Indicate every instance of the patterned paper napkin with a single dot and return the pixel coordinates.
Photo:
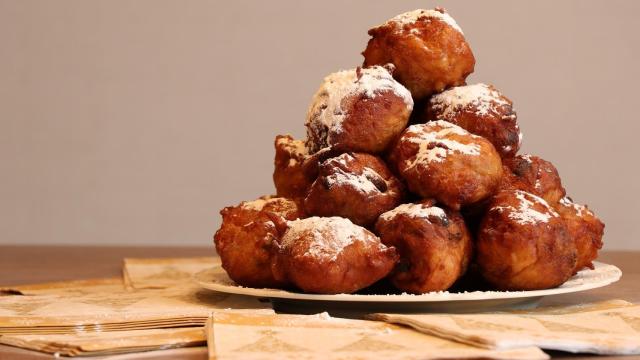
(274, 336)
(600, 328)
(155, 305)
(73, 287)
(153, 294)
(164, 272)
(108, 343)
(116, 310)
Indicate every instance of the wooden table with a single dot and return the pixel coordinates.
(33, 264)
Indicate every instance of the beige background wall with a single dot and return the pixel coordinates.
(133, 122)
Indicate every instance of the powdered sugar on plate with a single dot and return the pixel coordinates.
(482, 98)
(326, 237)
(603, 274)
(325, 114)
(411, 17)
(525, 213)
(436, 143)
(421, 211)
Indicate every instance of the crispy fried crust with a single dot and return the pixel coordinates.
(426, 158)
(294, 168)
(538, 175)
(356, 186)
(244, 240)
(523, 244)
(584, 228)
(331, 256)
(372, 125)
(482, 110)
(289, 176)
(473, 213)
(361, 110)
(429, 55)
(434, 245)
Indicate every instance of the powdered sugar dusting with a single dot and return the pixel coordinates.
(436, 143)
(580, 210)
(327, 236)
(358, 182)
(519, 138)
(526, 157)
(481, 97)
(525, 213)
(421, 211)
(412, 17)
(361, 182)
(325, 114)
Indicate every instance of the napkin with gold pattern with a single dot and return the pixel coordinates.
(161, 273)
(88, 311)
(72, 287)
(108, 343)
(233, 336)
(600, 328)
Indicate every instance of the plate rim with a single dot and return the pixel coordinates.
(431, 297)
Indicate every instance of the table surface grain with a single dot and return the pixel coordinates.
(35, 264)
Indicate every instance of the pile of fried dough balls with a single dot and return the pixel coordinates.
(409, 176)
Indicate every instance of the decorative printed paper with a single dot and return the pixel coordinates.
(164, 272)
(116, 310)
(601, 328)
(274, 336)
(108, 343)
(73, 287)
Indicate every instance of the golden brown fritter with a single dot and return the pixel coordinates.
(441, 160)
(473, 213)
(246, 236)
(331, 255)
(540, 176)
(294, 168)
(481, 110)
(356, 186)
(361, 110)
(434, 245)
(523, 244)
(584, 228)
(289, 176)
(428, 49)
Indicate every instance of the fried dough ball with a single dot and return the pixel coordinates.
(360, 110)
(331, 256)
(442, 160)
(294, 168)
(538, 175)
(356, 186)
(289, 176)
(473, 213)
(585, 228)
(428, 49)
(245, 238)
(523, 244)
(481, 110)
(434, 246)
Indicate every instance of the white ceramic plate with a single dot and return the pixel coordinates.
(602, 275)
